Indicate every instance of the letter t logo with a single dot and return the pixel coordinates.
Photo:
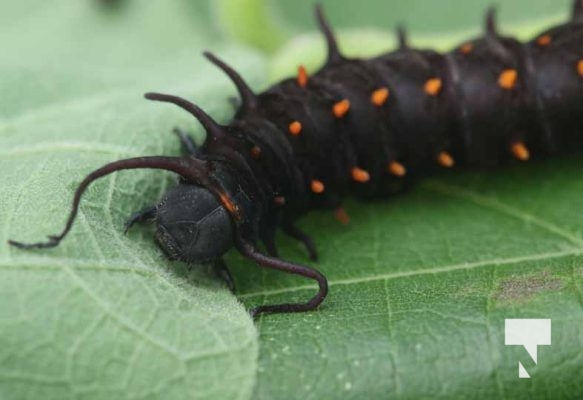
(529, 333)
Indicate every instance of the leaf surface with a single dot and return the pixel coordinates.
(420, 287)
(106, 315)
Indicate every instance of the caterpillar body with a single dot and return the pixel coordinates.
(357, 126)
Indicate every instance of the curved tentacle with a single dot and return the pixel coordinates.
(213, 129)
(248, 97)
(250, 251)
(189, 168)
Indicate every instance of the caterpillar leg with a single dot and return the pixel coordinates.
(188, 145)
(294, 232)
(250, 251)
(270, 246)
(222, 271)
(235, 103)
(268, 239)
(144, 215)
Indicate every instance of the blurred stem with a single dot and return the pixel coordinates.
(250, 22)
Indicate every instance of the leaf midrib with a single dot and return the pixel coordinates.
(489, 203)
(428, 271)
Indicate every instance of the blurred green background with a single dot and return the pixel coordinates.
(420, 284)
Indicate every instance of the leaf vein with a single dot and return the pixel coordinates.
(495, 205)
(118, 318)
(431, 271)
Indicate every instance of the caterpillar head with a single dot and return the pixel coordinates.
(192, 225)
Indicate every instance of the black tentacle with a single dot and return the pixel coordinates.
(577, 15)
(490, 26)
(248, 98)
(214, 131)
(189, 168)
(250, 251)
(402, 39)
(334, 54)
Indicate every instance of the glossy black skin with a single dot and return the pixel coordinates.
(228, 196)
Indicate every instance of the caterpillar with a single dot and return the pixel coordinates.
(363, 127)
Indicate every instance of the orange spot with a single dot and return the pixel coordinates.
(279, 200)
(520, 151)
(445, 159)
(507, 79)
(228, 204)
(580, 67)
(302, 76)
(433, 86)
(360, 175)
(467, 48)
(341, 215)
(379, 96)
(295, 128)
(317, 186)
(544, 40)
(255, 152)
(341, 108)
(396, 168)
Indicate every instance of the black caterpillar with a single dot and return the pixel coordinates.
(366, 127)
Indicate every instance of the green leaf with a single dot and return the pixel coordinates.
(420, 17)
(250, 21)
(420, 287)
(106, 315)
